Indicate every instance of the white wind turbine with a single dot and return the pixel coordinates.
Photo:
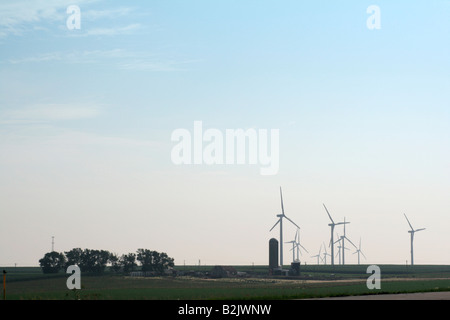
(318, 255)
(332, 225)
(340, 246)
(412, 231)
(358, 250)
(294, 244)
(343, 243)
(325, 254)
(280, 221)
(298, 245)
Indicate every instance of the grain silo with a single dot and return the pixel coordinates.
(273, 254)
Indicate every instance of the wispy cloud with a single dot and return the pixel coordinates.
(21, 16)
(43, 113)
(113, 31)
(86, 56)
(121, 59)
(155, 65)
(107, 13)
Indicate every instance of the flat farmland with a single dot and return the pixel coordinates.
(314, 282)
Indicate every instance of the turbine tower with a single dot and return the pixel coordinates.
(318, 255)
(280, 221)
(298, 245)
(358, 250)
(332, 225)
(294, 243)
(412, 231)
(340, 246)
(325, 254)
(343, 243)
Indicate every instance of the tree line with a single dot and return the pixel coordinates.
(96, 261)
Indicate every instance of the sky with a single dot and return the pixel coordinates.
(88, 112)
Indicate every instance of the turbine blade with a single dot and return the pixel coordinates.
(363, 255)
(328, 213)
(275, 224)
(351, 242)
(292, 222)
(419, 229)
(303, 249)
(409, 222)
(344, 226)
(282, 207)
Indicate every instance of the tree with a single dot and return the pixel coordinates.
(154, 261)
(115, 262)
(52, 262)
(88, 260)
(166, 262)
(128, 262)
(145, 258)
(94, 260)
(74, 257)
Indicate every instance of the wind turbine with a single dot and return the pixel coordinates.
(298, 245)
(343, 243)
(280, 221)
(325, 254)
(318, 255)
(412, 231)
(358, 250)
(332, 225)
(340, 246)
(294, 244)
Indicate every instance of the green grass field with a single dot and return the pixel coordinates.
(315, 281)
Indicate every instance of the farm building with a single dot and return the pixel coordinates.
(223, 271)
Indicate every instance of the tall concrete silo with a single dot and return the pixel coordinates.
(273, 254)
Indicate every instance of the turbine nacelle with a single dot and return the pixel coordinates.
(417, 230)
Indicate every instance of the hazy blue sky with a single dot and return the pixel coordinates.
(86, 117)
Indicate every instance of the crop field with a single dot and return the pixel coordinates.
(314, 281)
